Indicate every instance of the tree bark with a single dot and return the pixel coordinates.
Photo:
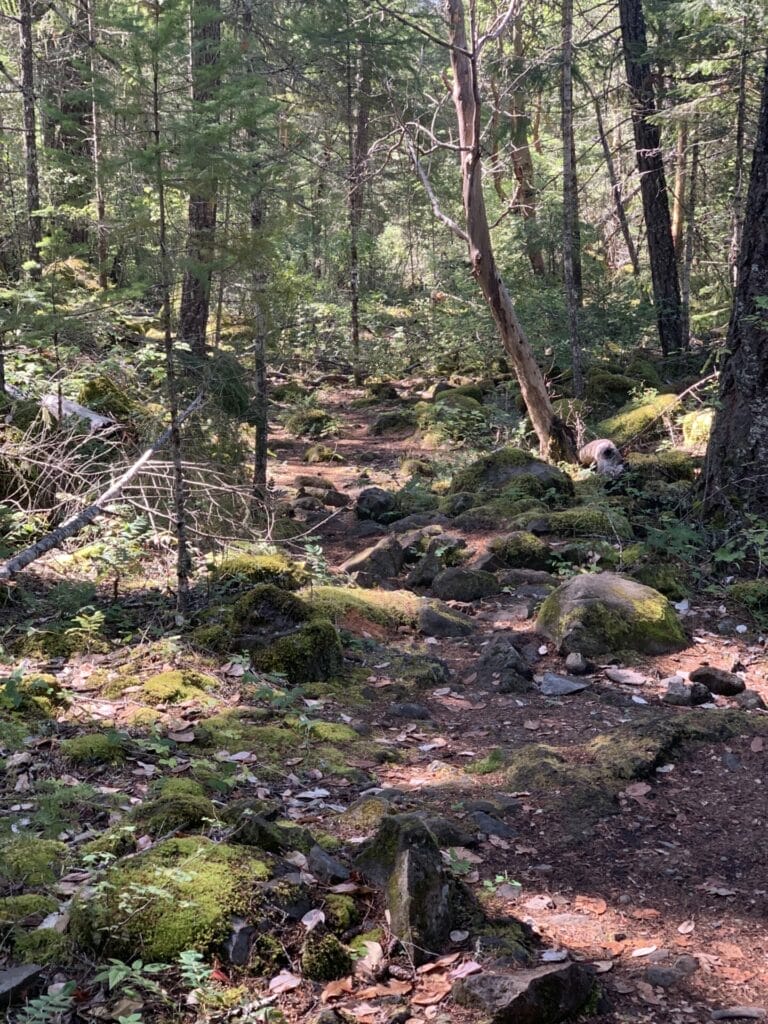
(571, 239)
(357, 87)
(522, 163)
(32, 179)
(653, 185)
(690, 232)
(205, 43)
(736, 468)
(737, 210)
(678, 199)
(616, 190)
(98, 181)
(555, 439)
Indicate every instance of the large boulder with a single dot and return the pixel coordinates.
(374, 503)
(511, 465)
(502, 665)
(460, 584)
(383, 561)
(438, 620)
(606, 613)
(542, 995)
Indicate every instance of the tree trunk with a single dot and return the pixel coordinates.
(737, 211)
(357, 140)
(616, 192)
(183, 559)
(34, 225)
(678, 199)
(98, 182)
(555, 439)
(205, 43)
(736, 468)
(571, 240)
(653, 185)
(690, 231)
(522, 163)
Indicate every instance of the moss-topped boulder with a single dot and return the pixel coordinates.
(177, 685)
(580, 521)
(460, 584)
(644, 416)
(345, 604)
(176, 809)
(606, 390)
(696, 427)
(310, 422)
(197, 887)
(29, 861)
(396, 422)
(325, 958)
(275, 568)
(95, 748)
(104, 395)
(507, 465)
(522, 550)
(670, 466)
(604, 613)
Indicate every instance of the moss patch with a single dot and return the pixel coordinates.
(175, 686)
(696, 427)
(750, 594)
(667, 465)
(15, 909)
(95, 748)
(383, 607)
(640, 416)
(522, 550)
(31, 861)
(494, 761)
(499, 469)
(324, 958)
(241, 567)
(42, 946)
(309, 423)
(583, 521)
(312, 652)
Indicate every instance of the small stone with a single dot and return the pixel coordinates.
(731, 762)
(415, 712)
(238, 945)
(544, 995)
(750, 700)
(491, 826)
(678, 693)
(374, 502)
(554, 685)
(437, 620)
(577, 663)
(726, 684)
(460, 584)
(700, 694)
(15, 981)
(626, 676)
(325, 867)
(502, 665)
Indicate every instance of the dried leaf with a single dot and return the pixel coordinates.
(686, 927)
(637, 790)
(591, 905)
(532, 724)
(284, 982)
(392, 988)
(644, 951)
(371, 960)
(647, 994)
(335, 989)
(465, 969)
(437, 965)
(757, 745)
(602, 966)
(645, 914)
(435, 988)
(313, 918)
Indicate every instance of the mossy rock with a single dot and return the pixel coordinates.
(670, 466)
(383, 391)
(242, 567)
(177, 685)
(32, 907)
(607, 390)
(474, 391)
(60, 643)
(522, 550)
(324, 958)
(313, 652)
(319, 453)
(666, 577)
(458, 418)
(751, 595)
(494, 761)
(415, 498)
(175, 812)
(366, 813)
(30, 861)
(341, 912)
(104, 395)
(498, 470)
(419, 468)
(309, 423)
(198, 886)
(580, 521)
(642, 370)
(382, 607)
(289, 391)
(604, 613)
(253, 825)
(696, 427)
(95, 748)
(42, 946)
(396, 422)
(641, 416)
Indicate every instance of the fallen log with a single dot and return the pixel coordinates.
(76, 522)
(64, 407)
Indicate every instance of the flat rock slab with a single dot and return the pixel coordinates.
(544, 995)
(16, 980)
(554, 685)
(717, 680)
(626, 676)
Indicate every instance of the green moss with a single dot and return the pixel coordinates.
(290, 391)
(494, 761)
(386, 608)
(394, 422)
(324, 958)
(414, 498)
(697, 426)
(642, 370)
(585, 521)
(196, 886)
(607, 390)
(175, 686)
(266, 603)
(341, 912)
(267, 955)
(333, 732)
(665, 465)
(309, 423)
(60, 643)
(358, 944)
(95, 748)
(42, 946)
(42, 684)
(418, 468)
(106, 396)
(172, 812)
(667, 578)
(216, 638)
(505, 467)
(312, 652)
(640, 416)
(522, 550)
(366, 813)
(142, 718)
(456, 418)
(318, 453)
(14, 909)
(473, 391)
(31, 861)
(242, 567)
(116, 842)
(750, 594)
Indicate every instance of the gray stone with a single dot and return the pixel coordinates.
(750, 700)
(383, 561)
(600, 613)
(491, 825)
(700, 694)
(437, 620)
(459, 584)
(374, 502)
(577, 664)
(238, 945)
(433, 562)
(367, 528)
(543, 995)
(726, 684)
(415, 712)
(678, 694)
(16, 981)
(325, 867)
(668, 977)
(554, 685)
(419, 520)
(626, 676)
(521, 577)
(502, 665)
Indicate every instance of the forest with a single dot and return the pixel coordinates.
(383, 511)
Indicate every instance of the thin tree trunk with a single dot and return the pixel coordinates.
(555, 440)
(357, 86)
(653, 185)
(98, 183)
(737, 203)
(616, 191)
(690, 230)
(183, 559)
(571, 253)
(34, 225)
(522, 164)
(678, 199)
(205, 43)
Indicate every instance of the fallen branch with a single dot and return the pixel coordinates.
(64, 407)
(76, 522)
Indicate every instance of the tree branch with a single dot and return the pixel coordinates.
(442, 217)
(417, 28)
(499, 26)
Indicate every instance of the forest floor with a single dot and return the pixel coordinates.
(673, 862)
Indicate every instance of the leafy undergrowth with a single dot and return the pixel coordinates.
(170, 794)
